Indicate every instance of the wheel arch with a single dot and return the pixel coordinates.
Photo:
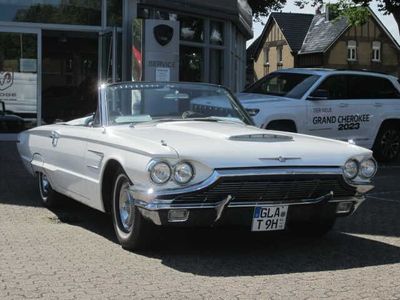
(289, 123)
(380, 153)
(107, 181)
(387, 122)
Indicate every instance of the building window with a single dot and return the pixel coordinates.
(279, 57)
(203, 45)
(352, 51)
(202, 50)
(266, 56)
(216, 33)
(376, 51)
(192, 29)
(266, 60)
(191, 64)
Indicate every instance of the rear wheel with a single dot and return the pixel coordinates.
(50, 198)
(387, 144)
(132, 230)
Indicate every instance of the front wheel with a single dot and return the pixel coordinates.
(132, 230)
(387, 144)
(50, 198)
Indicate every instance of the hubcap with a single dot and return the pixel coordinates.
(126, 208)
(45, 185)
(391, 143)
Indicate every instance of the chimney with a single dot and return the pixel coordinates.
(327, 13)
(318, 10)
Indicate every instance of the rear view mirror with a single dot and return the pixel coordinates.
(319, 94)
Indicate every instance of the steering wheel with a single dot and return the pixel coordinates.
(191, 114)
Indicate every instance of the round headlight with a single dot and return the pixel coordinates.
(160, 173)
(183, 173)
(368, 168)
(350, 169)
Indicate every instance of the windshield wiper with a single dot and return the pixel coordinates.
(156, 121)
(216, 119)
(205, 119)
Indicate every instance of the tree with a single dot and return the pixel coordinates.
(262, 8)
(355, 10)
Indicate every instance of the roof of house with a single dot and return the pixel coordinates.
(307, 33)
(322, 34)
(293, 26)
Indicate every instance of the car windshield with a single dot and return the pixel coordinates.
(131, 103)
(291, 85)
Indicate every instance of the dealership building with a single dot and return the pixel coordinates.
(53, 53)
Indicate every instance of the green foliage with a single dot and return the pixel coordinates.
(73, 13)
(262, 8)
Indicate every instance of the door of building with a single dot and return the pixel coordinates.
(20, 80)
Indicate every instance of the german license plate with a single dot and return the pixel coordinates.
(269, 218)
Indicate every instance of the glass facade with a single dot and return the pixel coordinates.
(191, 64)
(76, 12)
(18, 80)
(53, 57)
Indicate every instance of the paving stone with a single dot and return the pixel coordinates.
(72, 253)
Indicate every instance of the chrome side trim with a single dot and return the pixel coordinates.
(167, 204)
(150, 195)
(100, 156)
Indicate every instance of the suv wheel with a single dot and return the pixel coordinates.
(387, 144)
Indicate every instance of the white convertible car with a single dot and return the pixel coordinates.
(162, 154)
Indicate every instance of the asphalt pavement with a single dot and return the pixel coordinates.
(72, 253)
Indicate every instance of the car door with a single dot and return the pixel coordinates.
(66, 157)
(326, 103)
(338, 109)
(359, 121)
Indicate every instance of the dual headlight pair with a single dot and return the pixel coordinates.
(365, 169)
(161, 172)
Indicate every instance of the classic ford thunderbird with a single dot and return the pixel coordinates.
(162, 154)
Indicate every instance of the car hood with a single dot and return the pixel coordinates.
(230, 145)
(249, 98)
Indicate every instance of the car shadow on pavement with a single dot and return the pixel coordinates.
(233, 251)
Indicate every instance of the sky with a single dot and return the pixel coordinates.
(388, 21)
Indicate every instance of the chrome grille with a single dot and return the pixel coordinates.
(271, 188)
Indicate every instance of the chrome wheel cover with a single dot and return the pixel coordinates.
(390, 143)
(44, 186)
(126, 207)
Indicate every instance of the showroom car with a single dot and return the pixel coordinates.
(167, 154)
(10, 123)
(357, 106)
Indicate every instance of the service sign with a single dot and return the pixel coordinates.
(161, 59)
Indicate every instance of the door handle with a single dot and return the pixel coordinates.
(377, 104)
(54, 136)
(343, 105)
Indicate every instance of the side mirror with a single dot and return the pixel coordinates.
(319, 94)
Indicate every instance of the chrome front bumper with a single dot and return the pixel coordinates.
(152, 204)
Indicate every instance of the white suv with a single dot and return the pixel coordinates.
(362, 107)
